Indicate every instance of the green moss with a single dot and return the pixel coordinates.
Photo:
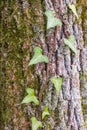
(85, 98)
(85, 107)
(6, 115)
(83, 77)
(18, 25)
(5, 111)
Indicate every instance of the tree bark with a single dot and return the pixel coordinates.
(23, 26)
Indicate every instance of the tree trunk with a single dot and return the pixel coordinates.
(23, 26)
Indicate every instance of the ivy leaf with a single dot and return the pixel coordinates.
(30, 91)
(35, 123)
(57, 83)
(51, 20)
(37, 50)
(45, 112)
(38, 57)
(70, 42)
(30, 97)
(73, 8)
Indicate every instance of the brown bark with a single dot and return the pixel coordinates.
(23, 26)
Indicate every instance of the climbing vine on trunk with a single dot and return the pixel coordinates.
(43, 52)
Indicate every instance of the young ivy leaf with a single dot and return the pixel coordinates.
(35, 123)
(57, 83)
(73, 8)
(70, 42)
(30, 97)
(30, 91)
(38, 57)
(45, 112)
(51, 20)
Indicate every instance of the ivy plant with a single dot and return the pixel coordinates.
(70, 43)
(30, 97)
(38, 56)
(45, 112)
(51, 20)
(35, 123)
(73, 8)
(57, 83)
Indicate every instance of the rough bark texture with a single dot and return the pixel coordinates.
(23, 26)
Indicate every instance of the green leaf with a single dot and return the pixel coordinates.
(27, 99)
(35, 100)
(45, 112)
(35, 123)
(73, 8)
(37, 50)
(38, 57)
(51, 20)
(30, 91)
(30, 97)
(70, 42)
(57, 83)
